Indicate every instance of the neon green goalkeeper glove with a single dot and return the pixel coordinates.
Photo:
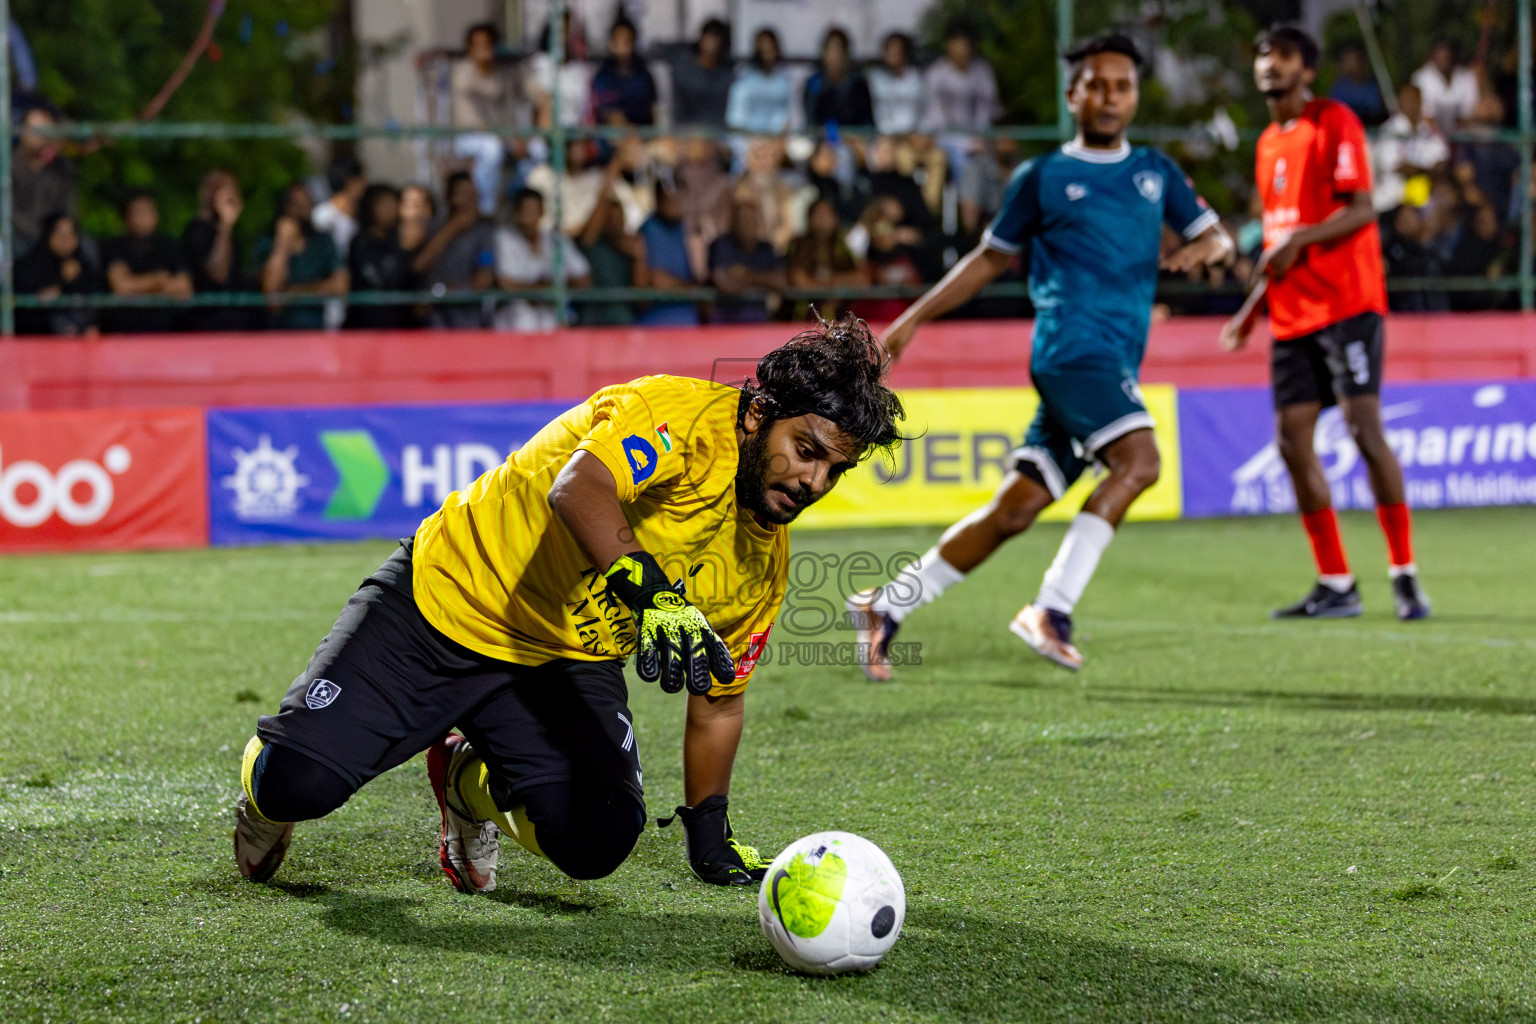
(676, 646)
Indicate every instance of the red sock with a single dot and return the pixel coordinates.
(1327, 547)
(1397, 524)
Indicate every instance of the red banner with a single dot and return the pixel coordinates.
(103, 479)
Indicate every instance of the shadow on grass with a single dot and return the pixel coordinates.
(1314, 700)
(949, 965)
(958, 966)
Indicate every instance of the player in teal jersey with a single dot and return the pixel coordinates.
(1092, 213)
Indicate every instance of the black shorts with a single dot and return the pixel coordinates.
(1341, 360)
(385, 684)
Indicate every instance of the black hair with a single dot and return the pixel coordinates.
(777, 46)
(961, 28)
(1288, 39)
(371, 195)
(836, 370)
(342, 170)
(622, 21)
(482, 26)
(908, 47)
(453, 180)
(716, 27)
(839, 33)
(524, 194)
(1109, 42)
(132, 196)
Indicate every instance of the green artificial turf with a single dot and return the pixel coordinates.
(1220, 819)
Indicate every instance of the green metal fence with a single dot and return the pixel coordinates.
(1523, 282)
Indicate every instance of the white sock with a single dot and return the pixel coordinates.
(916, 585)
(1394, 571)
(1339, 583)
(1079, 554)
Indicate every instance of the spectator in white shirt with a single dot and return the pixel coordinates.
(573, 81)
(485, 98)
(337, 216)
(1408, 145)
(1450, 91)
(525, 258)
(962, 97)
(897, 88)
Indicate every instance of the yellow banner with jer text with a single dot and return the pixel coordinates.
(962, 454)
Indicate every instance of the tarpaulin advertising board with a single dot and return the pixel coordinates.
(352, 472)
(103, 479)
(1459, 445)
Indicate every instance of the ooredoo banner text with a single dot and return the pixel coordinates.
(102, 479)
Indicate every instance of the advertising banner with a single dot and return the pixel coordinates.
(1459, 444)
(955, 464)
(352, 472)
(102, 479)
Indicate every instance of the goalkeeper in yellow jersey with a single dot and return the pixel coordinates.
(650, 519)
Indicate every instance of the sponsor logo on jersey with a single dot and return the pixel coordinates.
(80, 492)
(641, 456)
(1347, 166)
(666, 437)
(1076, 191)
(322, 693)
(756, 644)
(1150, 185)
(1279, 174)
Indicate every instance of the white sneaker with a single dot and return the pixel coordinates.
(260, 845)
(1049, 634)
(873, 632)
(470, 848)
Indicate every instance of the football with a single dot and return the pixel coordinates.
(832, 903)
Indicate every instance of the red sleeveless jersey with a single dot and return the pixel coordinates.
(1307, 169)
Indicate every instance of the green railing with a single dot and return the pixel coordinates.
(560, 295)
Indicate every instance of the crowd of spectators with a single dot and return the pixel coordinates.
(854, 177)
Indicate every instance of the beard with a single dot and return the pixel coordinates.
(752, 488)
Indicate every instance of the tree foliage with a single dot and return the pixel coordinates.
(104, 60)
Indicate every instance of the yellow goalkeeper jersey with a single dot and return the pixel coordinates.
(496, 571)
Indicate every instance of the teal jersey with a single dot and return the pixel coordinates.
(1094, 222)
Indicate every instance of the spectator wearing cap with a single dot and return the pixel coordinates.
(42, 180)
(761, 101)
(144, 262)
(526, 259)
(666, 266)
(744, 260)
(211, 246)
(297, 260)
(1356, 88)
(837, 93)
(1449, 88)
(488, 99)
(962, 97)
(459, 255)
(896, 88)
(701, 83)
(57, 268)
(623, 91)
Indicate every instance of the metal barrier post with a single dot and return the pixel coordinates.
(1064, 30)
(8, 255)
(1527, 283)
(557, 10)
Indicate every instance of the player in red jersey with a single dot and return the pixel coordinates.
(1327, 294)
